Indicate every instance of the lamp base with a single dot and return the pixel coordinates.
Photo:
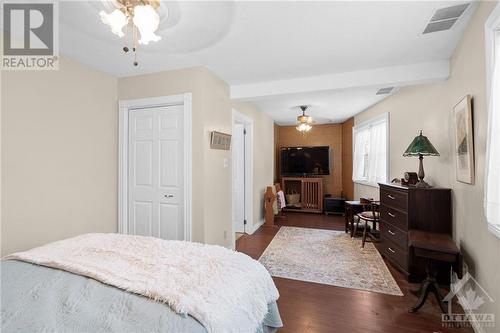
(422, 184)
(421, 174)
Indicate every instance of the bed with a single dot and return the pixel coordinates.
(72, 286)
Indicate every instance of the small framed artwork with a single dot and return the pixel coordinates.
(464, 140)
(220, 141)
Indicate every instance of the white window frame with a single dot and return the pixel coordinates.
(491, 28)
(362, 126)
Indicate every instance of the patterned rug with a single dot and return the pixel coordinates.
(328, 257)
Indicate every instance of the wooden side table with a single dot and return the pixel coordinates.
(351, 209)
(435, 247)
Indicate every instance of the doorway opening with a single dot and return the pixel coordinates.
(242, 175)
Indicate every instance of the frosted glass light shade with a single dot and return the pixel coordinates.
(116, 20)
(146, 19)
(304, 127)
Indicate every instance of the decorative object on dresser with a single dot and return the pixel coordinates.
(403, 208)
(421, 146)
(434, 248)
(464, 140)
(410, 178)
(310, 191)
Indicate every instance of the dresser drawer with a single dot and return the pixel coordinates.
(393, 198)
(395, 235)
(394, 217)
(394, 253)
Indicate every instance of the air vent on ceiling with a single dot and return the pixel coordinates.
(445, 18)
(384, 91)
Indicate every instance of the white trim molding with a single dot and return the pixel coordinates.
(248, 124)
(492, 40)
(253, 228)
(492, 24)
(125, 106)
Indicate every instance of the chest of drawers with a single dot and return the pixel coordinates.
(403, 208)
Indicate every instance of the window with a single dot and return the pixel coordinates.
(492, 172)
(370, 156)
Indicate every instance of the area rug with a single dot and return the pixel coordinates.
(328, 257)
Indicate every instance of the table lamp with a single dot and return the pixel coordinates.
(421, 146)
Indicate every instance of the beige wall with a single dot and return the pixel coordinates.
(263, 156)
(59, 151)
(212, 110)
(429, 107)
(320, 135)
(59, 155)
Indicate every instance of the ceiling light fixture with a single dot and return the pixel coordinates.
(304, 121)
(142, 17)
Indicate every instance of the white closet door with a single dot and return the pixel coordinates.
(156, 172)
(238, 146)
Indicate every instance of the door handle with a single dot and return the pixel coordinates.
(391, 232)
(391, 250)
(391, 214)
(391, 197)
(168, 195)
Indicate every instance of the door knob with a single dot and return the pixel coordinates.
(168, 195)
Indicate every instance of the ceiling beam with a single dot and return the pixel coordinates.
(395, 76)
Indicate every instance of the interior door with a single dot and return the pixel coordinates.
(156, 172)
(238, 153)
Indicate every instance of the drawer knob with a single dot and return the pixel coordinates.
(169, 196)
(391, 197)
(391, 232)
(391, 250)
(391, 214)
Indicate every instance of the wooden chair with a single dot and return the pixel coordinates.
(370, 215)
(271, 208)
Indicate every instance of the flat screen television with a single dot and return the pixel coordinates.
(305, 161)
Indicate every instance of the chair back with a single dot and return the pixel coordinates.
(373, 206)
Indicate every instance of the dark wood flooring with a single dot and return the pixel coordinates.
(313, 308)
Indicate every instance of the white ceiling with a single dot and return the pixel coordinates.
(249, 43)
(328, 106)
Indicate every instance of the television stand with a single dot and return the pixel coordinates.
(310, 190)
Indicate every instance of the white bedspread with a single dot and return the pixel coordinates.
(226, 291)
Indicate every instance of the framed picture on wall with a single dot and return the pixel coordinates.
(464, 140)
(220, 140)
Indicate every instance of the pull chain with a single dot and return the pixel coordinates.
(135, 46)
(125, 48)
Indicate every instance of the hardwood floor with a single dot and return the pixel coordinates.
(313, 308)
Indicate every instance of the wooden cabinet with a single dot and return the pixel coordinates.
(310, 190)
(403, 208)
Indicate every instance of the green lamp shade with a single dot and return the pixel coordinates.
(421, 146)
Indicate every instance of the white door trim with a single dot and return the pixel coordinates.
(248, 125)
(125, 106)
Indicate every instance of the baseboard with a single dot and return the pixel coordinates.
(253, 228)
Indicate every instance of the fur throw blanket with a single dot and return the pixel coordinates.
(226, 291)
